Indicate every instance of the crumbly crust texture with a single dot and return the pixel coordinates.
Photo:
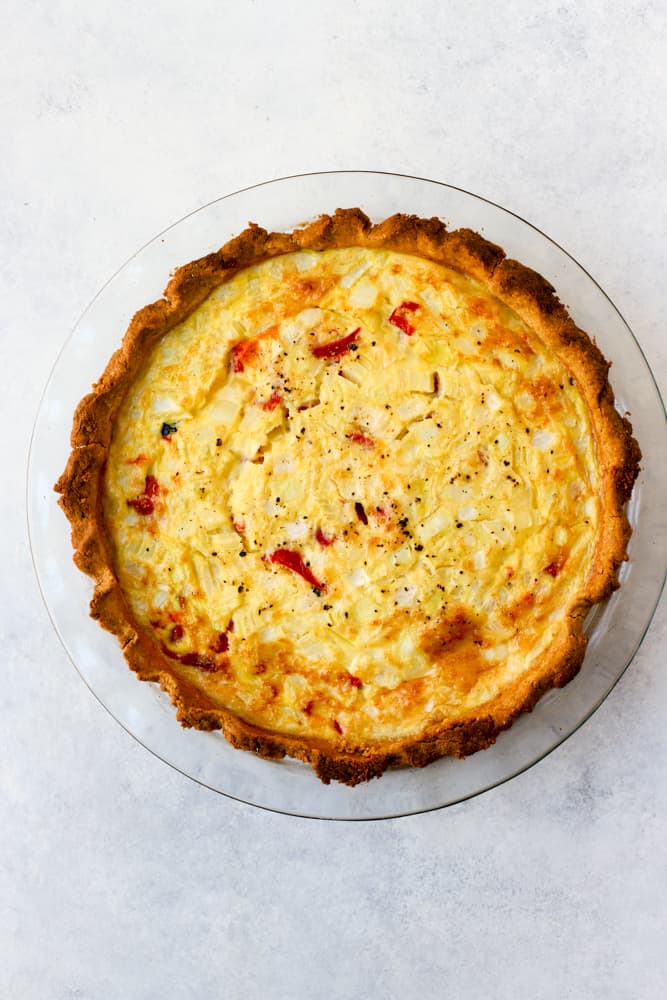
(533, 299)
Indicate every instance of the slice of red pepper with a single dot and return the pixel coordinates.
(399, 319)
(364, 439)
(194, 660)
(144, 504)
(244, 352)
(220, 644)
(238, 350)
(335, 348)
(272, 401)
(152, 487)
(324, 539)
(200, 661)
(554, 568)
(294, 561)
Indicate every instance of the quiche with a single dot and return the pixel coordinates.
(348, 493)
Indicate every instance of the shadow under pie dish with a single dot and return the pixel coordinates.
(348, 493)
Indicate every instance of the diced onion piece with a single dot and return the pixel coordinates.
(358, 577)
(543, 439)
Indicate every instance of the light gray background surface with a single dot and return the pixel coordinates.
(120, 879)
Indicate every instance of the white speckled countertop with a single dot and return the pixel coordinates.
(122, 879)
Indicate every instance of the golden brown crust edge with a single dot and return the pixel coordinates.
(529, 295)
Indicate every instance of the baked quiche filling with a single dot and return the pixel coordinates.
(351, 496)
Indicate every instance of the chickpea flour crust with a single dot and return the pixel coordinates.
(348, 493)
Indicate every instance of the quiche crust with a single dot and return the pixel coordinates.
(524, 291)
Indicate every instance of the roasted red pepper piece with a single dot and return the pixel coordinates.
(144, 504)
(360, 512)
(294, 561)
(220, 644)
(324, 539)
(364, 439)
(194, 660)
(554, 568)
(335, 348)
(152, 487)
(199, 660)
(272, 401)
(244, 352)
(239, 353)
(399, 318)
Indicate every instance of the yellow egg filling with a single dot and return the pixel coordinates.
(352, 493)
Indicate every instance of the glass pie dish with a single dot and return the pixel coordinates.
(615, 628)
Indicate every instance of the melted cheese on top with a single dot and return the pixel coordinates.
(352, 495)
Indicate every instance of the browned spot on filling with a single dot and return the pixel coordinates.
(448, 630)
(453, 642)
(308, 289)
(546, 396)
(401, 700)
(477, 309)
(542, 388)
(519, 609)
(499, 338)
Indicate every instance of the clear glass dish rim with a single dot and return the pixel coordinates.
(271, 809)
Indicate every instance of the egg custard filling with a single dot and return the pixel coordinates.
(351, 502)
